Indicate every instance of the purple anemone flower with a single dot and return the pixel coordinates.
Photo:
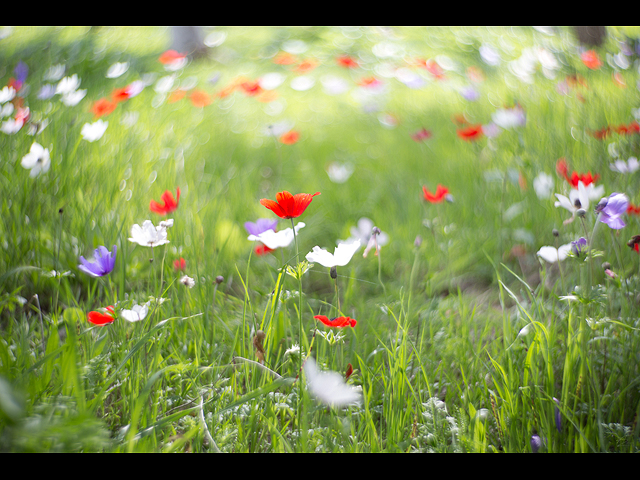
(578, 245)
(105, 260)
(260, 226)
(610, 210)
(21, 71)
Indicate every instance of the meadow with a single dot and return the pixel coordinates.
(319, 239)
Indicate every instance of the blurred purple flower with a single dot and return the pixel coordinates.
(21, 71)
(610, 210)
(261, 226)
(536, 443)
(47, 91)
(470, 93)
(558, 417)
(577, 246)
(105, 260)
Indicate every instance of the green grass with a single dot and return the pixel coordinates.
(439, 351)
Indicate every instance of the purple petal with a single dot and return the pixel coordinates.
(261, 226)
(89, 268)
(617, 204)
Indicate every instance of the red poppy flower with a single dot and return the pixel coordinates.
(170, 56)
(346, 61)
(180, 264)
(290, 138)
(169, 203)
(470, 133)
(602, 133)
(439, 196)
(369, 82)
(339, 322)
(434, 69)
(104, 317)
(591, 59)
(287, 205)
(103, 107)
(586, 178)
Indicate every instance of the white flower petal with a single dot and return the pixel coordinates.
(329, 387)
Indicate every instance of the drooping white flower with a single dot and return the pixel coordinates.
(329, 387)
(94, 131)
(342, 254)
(37, 160)
(149, 235)
(136, 313)
(553, 254)
(273, 239)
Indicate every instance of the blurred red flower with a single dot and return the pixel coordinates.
(251, 88)
(199, 98)
(262, 249)
(339, 322)
(421, 135)
(102, 107)
(287, 205)
(470, 133)
(434, 69)
(633, 209)
(169, 203)
(176, 95)
(591, 59)
(439, 196)
(104, 317)
(284, 58)
(120, 94)
(170, 56)
(586, 178)
(180, 264)
(290, 137)
(305, 66)
(346, 61)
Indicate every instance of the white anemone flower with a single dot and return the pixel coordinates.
(553, 254)
(37, 160)
(273, 239)
(342, 254)
(137, 312)
(149, 235)
(578, 198)
(94, 131)
(73, 98)
(629, 166)
(339, 172)
(329, 387)
(117, 69)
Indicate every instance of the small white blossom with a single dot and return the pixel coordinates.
(342, 254)
(188, 281)
(37, 160)
(149, 235)
(94, 131)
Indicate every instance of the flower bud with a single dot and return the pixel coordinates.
(418, 241)
(334, 272)
(555, 232)
(219, 279)
(606, 266)
(581, 212)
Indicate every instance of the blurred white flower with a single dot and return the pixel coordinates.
(37, 160)
(629, 166)
(342, 254)
(329, 387)
(11, 126)
(489, 55)
(363, 233)
(136, 313)
(54, 73)
(302, 83)
(334, 85)
(7, 94)
(94, 131)
(510, 117)
(164, 84)
(71, 99)
(578, 198)
(280, 239)
(339, 172)
(149, 235)
(543, 185)
(188, 281)
(271, 81)
(117, 69)
(68, 85)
